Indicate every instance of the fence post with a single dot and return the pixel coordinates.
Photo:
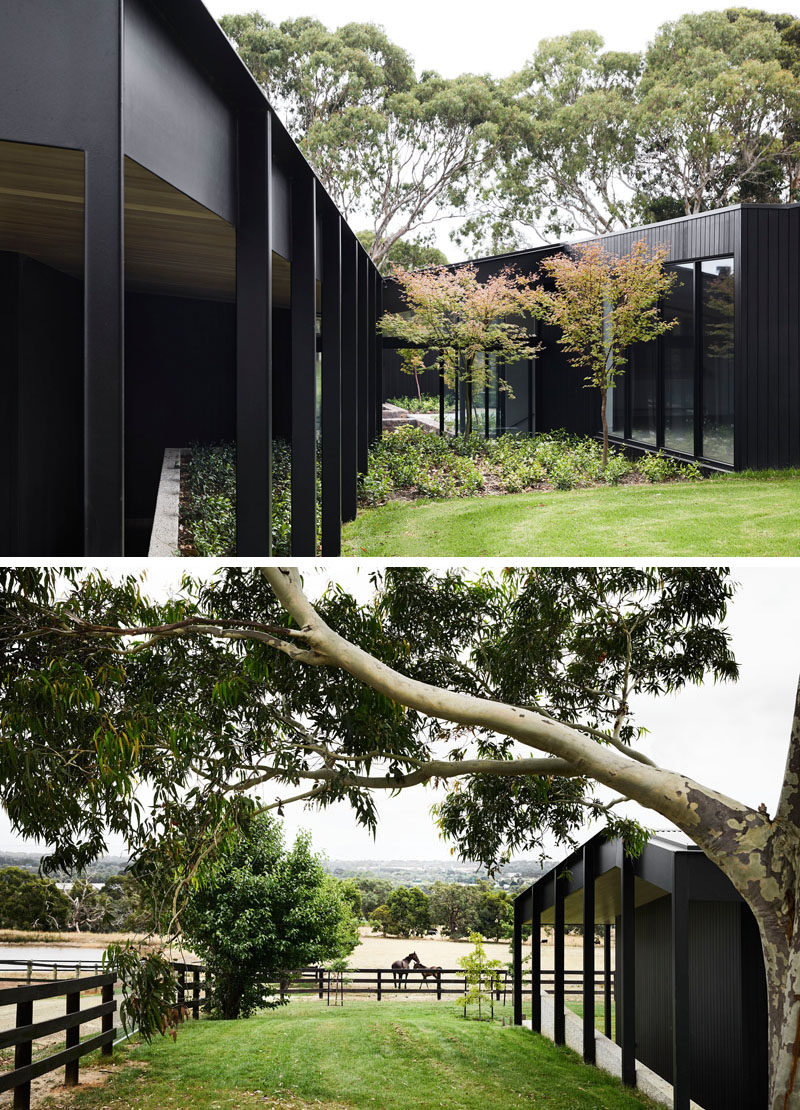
(108, 1019)
(439, 987)
(22, 1056)
(182, 985)
(73, 1038)
(196, 993)
(379, 984)
(30, 971)
(55, 971)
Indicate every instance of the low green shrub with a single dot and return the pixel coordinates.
(425, 403)
(413, 462)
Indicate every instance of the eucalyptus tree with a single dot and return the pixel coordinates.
(391, 147)
(518, 689)
(569, 140)
(717, 110)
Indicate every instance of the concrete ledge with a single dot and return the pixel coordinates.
(607, 1053)
(394, 417)
(164, 536)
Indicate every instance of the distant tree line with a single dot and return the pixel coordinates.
(30, 901)
(580, 140)
(457, 909)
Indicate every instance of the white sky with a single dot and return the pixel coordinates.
(732, 737)
(497, 38)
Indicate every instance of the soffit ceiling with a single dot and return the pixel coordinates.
(172, 244)
(607, 899)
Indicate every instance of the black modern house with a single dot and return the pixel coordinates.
(689, 988)
(170, 270)
(722, 387)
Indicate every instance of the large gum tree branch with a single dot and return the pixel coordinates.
(699, 810)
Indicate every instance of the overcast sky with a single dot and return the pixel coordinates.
(732, 737)
(494, 38)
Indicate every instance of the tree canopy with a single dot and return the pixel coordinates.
(518, 685)
(396, 148)
(260, 912)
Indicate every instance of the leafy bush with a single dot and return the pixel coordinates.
(419, 464)
(210, 512)
(424, 404)
(661, 468)
(149, 990)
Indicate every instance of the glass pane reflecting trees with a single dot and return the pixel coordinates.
(679, 363)
(717, 358)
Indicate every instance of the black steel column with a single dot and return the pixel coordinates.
(104, 325)
(378, 358)
(536, 959)
(372, 347)
(588, 952)
(607, 1024)
(681, 1014)
(304, 360)
(558, 958)
(441, 404)
(350, 325)
(363, 363)
(254, 336)
(626, 1004)
(517, 960)
(332, 383)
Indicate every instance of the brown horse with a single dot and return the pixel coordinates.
(400, 969)
(434, 973)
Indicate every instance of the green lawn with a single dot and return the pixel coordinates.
(388, 1055)
(723, 516)
(599, 1015)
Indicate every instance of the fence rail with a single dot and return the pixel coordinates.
(382, 981)
(190, 994)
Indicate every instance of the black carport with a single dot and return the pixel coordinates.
(689, 981)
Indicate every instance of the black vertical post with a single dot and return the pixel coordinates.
(107, 1021)
(73, 1038)
(378, 357)
(182, 985)
(486, 412)
(254, 336)
(536, 959)
(349, 409)
(588, 951)
(457, 391)
(331, 383)
(697, 306)
(607, 980)
(439, 987)
(558, 958)
(22, 1056)
(681, 1015)
(196, 993)
(304, 363)
(104, 326)
(363, 363)
(371, 349)
(380, 984)
(321, 982)
(626, 1013)
(441, 404)
(517, 960)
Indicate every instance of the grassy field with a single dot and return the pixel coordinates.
(363, 1055)
(724, 516)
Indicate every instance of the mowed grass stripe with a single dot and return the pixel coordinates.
(397, 1056)
(721, 517)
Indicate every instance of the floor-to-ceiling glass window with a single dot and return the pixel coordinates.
(716, 360)
(678, 347)
(615, 406)
(643, 385)
(518, 398)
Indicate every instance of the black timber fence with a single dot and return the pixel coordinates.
(382, 982)
(25, 1031)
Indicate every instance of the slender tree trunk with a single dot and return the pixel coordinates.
(468, 410)
(416, 383)
(604, 420)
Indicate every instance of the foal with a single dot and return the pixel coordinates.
(428, 973)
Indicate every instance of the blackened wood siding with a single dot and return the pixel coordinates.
(654, 986)
(768, 344)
